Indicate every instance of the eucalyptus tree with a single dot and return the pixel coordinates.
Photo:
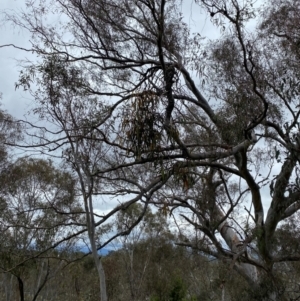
(38, 208)
(140, 246)
(193, 126)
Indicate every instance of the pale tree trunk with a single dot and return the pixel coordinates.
(8, 286)
(92, 238)
(44, 273)
(101, 273)
(87, 186)
(222, 292)
(248, 271)
(238, 246)
(100, 269)
(40, 275)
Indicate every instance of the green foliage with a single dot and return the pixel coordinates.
(38, 204)
(178, 291)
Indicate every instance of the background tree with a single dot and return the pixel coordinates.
(38, 207)
(139, 246)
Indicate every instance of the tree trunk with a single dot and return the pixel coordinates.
(97, 260)
(101, 274)
(223, 292)
(8, 286)
(21, 288)
(40, 283)
(86, 182)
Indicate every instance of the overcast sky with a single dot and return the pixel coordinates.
(18, 102)
(14, 101)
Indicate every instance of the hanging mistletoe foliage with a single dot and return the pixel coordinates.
(141, 127)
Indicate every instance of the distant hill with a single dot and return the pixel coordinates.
(102, 252)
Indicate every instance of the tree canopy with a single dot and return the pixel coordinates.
(145, 110)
